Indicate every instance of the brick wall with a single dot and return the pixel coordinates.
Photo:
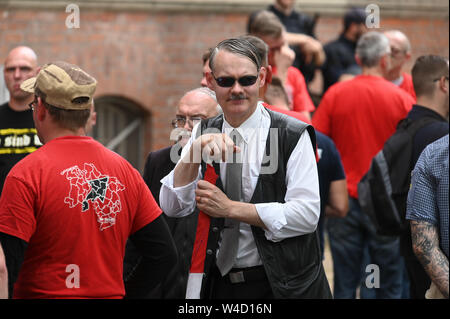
(152, 57)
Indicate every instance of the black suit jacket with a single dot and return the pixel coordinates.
(157, 166)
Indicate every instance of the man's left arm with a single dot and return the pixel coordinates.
(14, 252)
(298, 215)
(212, 201)
(425, 241)
(423, 213)
(3, 276)
(311, 48)
(300, 212)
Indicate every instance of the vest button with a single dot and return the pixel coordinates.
(209, 251)
(215, 229)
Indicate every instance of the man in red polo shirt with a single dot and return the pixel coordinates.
(360, 115)
(400, 55)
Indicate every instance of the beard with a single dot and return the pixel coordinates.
(183, 137)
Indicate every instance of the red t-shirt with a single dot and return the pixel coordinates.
(297, 90)
(407, 85)
(75, 202)
(294, 114)
(360, 115)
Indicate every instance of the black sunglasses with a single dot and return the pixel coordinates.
(228, 81)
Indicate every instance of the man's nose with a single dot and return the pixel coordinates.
(187, 125)
(17, 73)
(236, 88)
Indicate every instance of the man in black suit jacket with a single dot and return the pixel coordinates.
(194, 106)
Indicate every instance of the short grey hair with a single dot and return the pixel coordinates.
(371, 47)
(239, 46)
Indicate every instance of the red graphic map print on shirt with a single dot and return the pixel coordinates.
(90, 187)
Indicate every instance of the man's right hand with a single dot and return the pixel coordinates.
(208, 147)
(214, 147)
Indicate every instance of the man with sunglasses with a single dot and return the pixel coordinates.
(17, 132)
(260, 193)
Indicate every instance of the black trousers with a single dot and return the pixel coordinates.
(257, 287)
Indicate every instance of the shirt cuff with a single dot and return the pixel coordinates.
(272, 215)
(177, 201)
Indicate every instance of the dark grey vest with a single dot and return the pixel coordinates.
(293, 265)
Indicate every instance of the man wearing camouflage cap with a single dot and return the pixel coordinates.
(72, 204)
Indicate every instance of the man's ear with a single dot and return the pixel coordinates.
(210, 80)
(443, 84)
(262, 76)
(269, 74)
(385, 62)
(408, 56)
(41, 110)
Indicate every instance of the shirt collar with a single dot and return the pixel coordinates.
(249, 127)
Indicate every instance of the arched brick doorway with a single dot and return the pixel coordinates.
(120, 127)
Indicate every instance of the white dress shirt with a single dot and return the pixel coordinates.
(299, 214)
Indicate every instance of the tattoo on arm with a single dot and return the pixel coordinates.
(425, 241)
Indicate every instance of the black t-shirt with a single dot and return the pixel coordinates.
(429, 133)
(297, 22)
(18, 138)
(340, 60)
(424, 136)
(330, 167)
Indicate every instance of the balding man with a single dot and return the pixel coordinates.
(18, 136)
(195, 105)
(400, 55)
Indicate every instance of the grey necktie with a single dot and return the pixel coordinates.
(233, 188)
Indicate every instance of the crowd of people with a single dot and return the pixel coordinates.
(239, 205)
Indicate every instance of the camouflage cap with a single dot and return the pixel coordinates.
(63, 84)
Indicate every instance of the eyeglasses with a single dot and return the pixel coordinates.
(180, 121)
(395, 52)
(228, 81)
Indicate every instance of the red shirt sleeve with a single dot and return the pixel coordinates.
(147, 208)
(17, 209)
(301, 99)
(322, 116)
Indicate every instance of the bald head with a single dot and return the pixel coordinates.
(399, 39)
(20, 64)
(200, 102)
(400, 53)
(22, 52)
(195, 105)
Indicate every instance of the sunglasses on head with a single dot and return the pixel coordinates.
(228, 81)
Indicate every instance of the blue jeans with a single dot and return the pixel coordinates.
(348, 238)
